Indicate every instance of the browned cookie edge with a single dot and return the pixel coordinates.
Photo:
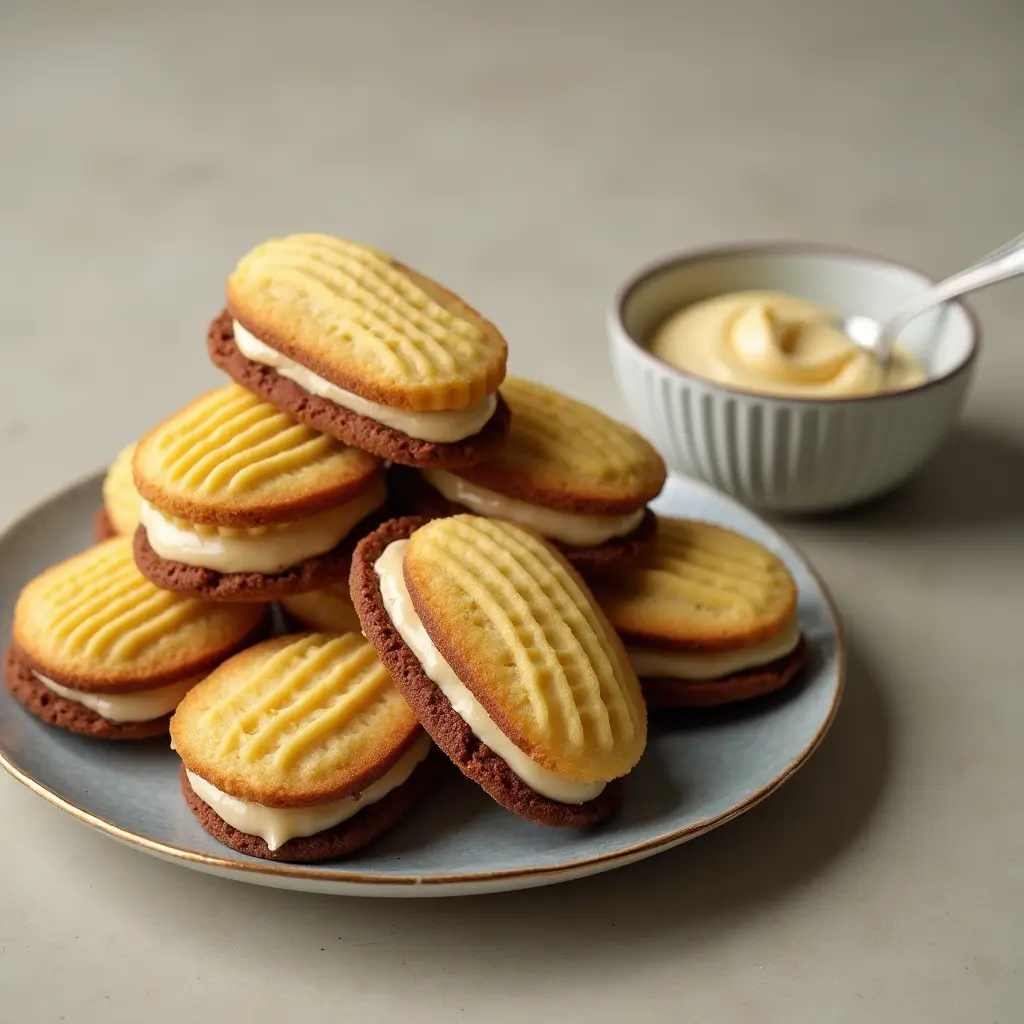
(416, 496)
(474, 758)
(339, 841)
(675, 694)
(350, 427)
(66, 714)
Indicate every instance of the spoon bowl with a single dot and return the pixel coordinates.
(864, 332)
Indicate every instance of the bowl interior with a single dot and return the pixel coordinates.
(846, 283)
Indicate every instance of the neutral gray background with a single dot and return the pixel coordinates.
(530, 154)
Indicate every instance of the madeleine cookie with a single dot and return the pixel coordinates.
(360, 347)
(98, 650)
(498, 647)
(709, 617)
(121, 502)
(242, 503)
(578, 478)
(300, 748)
(327, 611)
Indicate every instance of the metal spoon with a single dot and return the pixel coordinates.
(998, 265)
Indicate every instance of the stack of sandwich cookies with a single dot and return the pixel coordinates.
(574, 475)
(241, 502)
(708, 618)
(360, 347)
(119, 516)
(497, 645)
(98, 650)
(300, 749)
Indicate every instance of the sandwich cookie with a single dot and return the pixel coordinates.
(326, 611)
(242, 503)
(497, 645)
(300, 749)
(358, 346)
(567, 471)
(119, 516)
(98, 650)
(708, 618)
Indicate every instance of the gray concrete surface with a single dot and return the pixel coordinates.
(530, 154)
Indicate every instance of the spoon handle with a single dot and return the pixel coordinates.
(998, 265)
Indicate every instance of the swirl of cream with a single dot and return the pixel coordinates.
(776, 344)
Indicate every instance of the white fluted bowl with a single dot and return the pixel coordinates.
(790, 454)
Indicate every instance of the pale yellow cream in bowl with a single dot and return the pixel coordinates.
(773, 343)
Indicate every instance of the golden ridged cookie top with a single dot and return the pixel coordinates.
(702, 588)
(329, 610)
(365, 322)
(565, 454)
(230, 459)
(96, 623)
(295, 721)
(521, 631)
(120, 498)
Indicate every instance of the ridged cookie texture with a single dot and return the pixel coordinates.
(120, 498)
(329, 610)
(229, 459)
(95, 623)
(295, 721)
(358, 318)
(523, 634)
(567, 455)
(702, 588)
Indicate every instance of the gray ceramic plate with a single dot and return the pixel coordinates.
(699, 771)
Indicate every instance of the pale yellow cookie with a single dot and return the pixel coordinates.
(329, 610)
(96, 623)
(363, 321)
(230, 459)
(295, 721)
(702, 588)
(120, 498)
(567, 455)
(522, 632)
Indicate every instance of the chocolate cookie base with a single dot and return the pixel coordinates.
(474, 758)
(417, 497)
(339, 841)
(67, 714)
(103, 527)
(676, 694)
(312, 574)
(352, 428)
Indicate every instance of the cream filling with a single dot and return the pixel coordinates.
(270, 550)
(276, 825)
(583, 531)
(654, 664)
(776, 344)
(399, 607)
(443, 427)
(140, 706)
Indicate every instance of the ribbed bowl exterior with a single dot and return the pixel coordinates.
(787, 456)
